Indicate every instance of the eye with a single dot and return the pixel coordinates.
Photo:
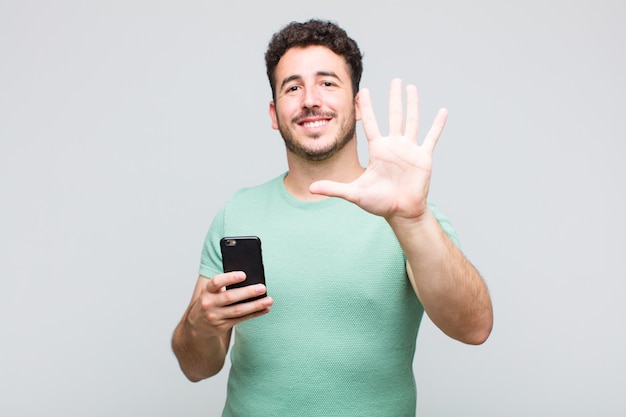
(327, 83)
(292, 88)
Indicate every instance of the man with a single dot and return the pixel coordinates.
(353, 256)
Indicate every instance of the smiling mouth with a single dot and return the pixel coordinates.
(312, 119)
(314, 124)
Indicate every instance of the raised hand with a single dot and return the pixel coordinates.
(396, 181)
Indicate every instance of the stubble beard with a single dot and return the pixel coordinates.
(318, 154)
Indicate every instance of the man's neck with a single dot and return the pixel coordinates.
(303, 173)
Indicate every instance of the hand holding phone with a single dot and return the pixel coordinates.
(243, 253)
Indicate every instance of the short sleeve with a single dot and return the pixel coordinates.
(211, 258)
(445, 224)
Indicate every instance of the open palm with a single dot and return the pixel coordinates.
(397, 178)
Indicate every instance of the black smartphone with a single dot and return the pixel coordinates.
(243, 253)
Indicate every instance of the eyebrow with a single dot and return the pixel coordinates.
(317, 74)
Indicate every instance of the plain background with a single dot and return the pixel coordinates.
(124, 125)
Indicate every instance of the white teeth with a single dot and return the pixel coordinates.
(312, 125)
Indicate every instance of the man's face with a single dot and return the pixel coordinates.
(314, 109)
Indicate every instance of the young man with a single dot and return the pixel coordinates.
(353, 256)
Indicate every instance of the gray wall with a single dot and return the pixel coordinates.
(124, 125)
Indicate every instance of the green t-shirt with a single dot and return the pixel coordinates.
(340, 338)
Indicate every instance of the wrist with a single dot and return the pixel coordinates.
(415, 221)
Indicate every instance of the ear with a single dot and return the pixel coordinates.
(273, 115)
(357, 106)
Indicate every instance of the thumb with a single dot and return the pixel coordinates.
(332, 189)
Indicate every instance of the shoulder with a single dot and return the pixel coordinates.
(248, 208)
(258, 192)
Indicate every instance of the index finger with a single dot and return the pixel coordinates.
(368, 119)
(219, 281)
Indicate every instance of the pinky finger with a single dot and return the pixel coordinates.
(255, 314)
(435, 131)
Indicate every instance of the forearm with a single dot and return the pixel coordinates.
(451, 290)
(199, 357)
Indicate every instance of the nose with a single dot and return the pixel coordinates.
(311, 98)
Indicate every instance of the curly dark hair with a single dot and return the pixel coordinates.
(314, 32)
